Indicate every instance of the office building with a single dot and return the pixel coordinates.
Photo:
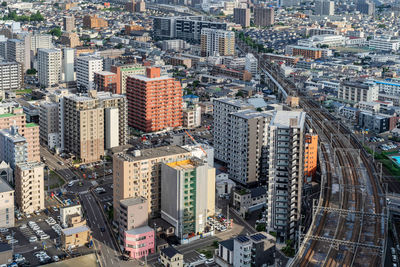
(355, 92)
(29, 186)
(68, 64)
(138, 174)
(86, 66)
(264, 16)
(217, 42)
(105, 81)
(6, 205)
(139, 242)
(251, 64)
(366, 7)
(94, 22)
(10, 76)
(49, 125)
(187, 195)
(161, 108)
(16, 52)
(83, 127)
(69, 23)
(123, 72)
(185, 28)
(49, 67)
(285, 178)
(242, 16)
(324, 8)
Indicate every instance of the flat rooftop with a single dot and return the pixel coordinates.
(127, 202)
(286, 119)
(139, 230)
(152, 153)
(75, 230)
(185, 164)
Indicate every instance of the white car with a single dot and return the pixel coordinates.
(23, 226)
(32, 239)
(45, 236)
(3, 230)
(56, 258)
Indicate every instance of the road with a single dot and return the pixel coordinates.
(52, 162)
(103, 240)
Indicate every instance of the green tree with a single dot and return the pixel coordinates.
(37, 17)
(4, 4)
(56, 31)
(260, 227)
(31, 71)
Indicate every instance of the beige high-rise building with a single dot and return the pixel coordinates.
(263, 16)
(70, 39)
(29, 186)
(49, 65)
(242, 16)
(6, 205)
(69, 23)
(217, 42)
(138, 174)
(83, 127)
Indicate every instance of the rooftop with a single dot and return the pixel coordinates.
(146, 79)
(75, 230)
(127, 202)
(139, 230)
(188, 164)
(152, 153)
(31, 124)
(29, 165)
(227, 244)
(5, 187)
(170, 251)
(105, 72)
(286, 119)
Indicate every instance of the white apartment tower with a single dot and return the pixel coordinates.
(16, 52)
(217, 42)
(86, 66)
(286, 144)
(68, 64)
(49, 67)
(324, 7)
(251, 64)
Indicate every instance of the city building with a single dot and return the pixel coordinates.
(83, 127)
(29, 186)
(138, 174)
(75, 237)
(181, 61)
(384, 43)
(49, 67)
(94, 22)
(133, 213)
(105, 81)
(192, 116)
(306, 52)
(217, 42)
(285, 178)
(330, 40)
(16, 52)
(310, 156)
(7, 205)
(123, 72)
(255, 250)
(49, 133)
(176, 45)
(161, 108)
(139, 242)
(140, 6)
(86, 66)
(69, 23)
(185, 28)
(242, 16)
(324, 7)
(40, 41)
(171, 257)
(6, 173)
(376, 122)
(6, 253)
(187, 195)
(70, 39)
(71, 216)
(355, 92)
(249, 200)
(68, 64)
(389, 86)
(264, 16)
(251, 64)
(11, 74)
(14, 147)
(366, 7)
(369, 106)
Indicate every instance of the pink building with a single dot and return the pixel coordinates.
(139, 242)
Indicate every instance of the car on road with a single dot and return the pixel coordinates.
(209, 261)
(56, 258)
(32, 239)
(3, 230)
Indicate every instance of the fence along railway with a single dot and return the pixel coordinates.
(349, 225)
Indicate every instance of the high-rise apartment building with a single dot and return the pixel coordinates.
(40, 41)
(86, 66)
(123, 72)
(138, 174)
(29, 186)
(242, 16)
(358, 91)
(310, 156)
(324, 7)
(285, 179)
(187, 195)
(83, 127)
(366, 7)
(264, 16)
(49, 67)
(251, 64)
(49, 124)
(217, 42)
(6, 205)
(68, 64)
(14, 147)
(185, 28)
(69, 23)
(16, 52)
(70, 39)
(10, 76)
(94, 22)
(105, 81)
(154, 101)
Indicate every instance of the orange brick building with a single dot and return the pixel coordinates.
(154, 101)
(307, 52)
(310, 156)
(105, 81)
(94, 22)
